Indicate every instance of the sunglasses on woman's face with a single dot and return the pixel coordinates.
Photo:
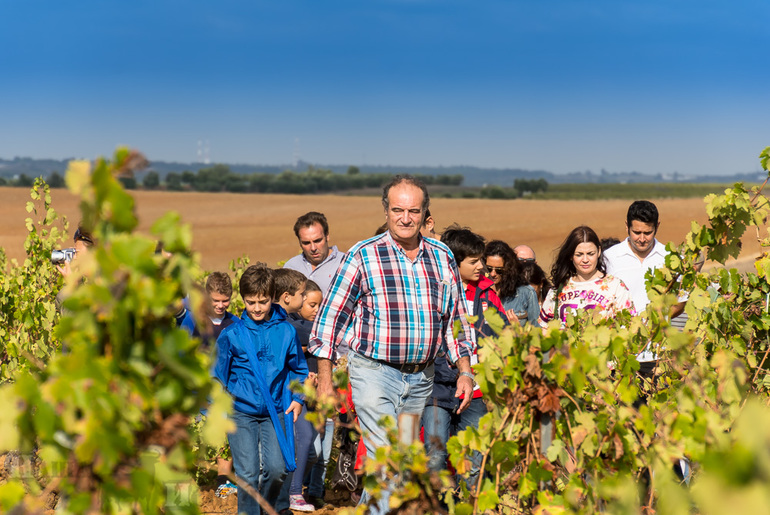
(496, 269)
(79, 236)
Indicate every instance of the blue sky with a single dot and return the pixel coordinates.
(566, 85)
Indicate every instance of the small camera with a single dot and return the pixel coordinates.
(63, 255)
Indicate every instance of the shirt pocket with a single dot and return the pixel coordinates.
(440, 296)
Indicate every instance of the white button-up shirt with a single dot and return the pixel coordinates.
(624, 264)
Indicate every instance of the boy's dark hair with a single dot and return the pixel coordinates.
(219, 282)
(310, 219)
(462, 242)
(644, 211)
(609, 242)
(408, 179)
(257, 280)
(287, 281)
(311, 286)
(381, 229)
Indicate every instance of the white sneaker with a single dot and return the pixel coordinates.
(298, 503)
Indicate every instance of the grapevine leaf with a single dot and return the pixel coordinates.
(488, 500)
(10, 408)
(11, 494)
(217, 424)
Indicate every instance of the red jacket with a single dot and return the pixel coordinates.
(483, 297)
(445, 377)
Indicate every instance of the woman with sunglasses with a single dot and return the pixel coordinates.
(83, 242)
(518, 297)
(580, 280)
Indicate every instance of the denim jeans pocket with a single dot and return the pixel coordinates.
(429, 372)
(361, 361)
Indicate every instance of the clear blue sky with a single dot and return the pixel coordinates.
(654, 86)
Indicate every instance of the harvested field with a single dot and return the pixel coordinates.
(226, 225)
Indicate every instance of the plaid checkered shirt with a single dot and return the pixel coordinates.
(401, 310)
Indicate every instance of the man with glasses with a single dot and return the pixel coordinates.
(525, 253)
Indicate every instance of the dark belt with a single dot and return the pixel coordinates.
(406, 368)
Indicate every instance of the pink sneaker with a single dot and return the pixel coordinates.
(298, 503)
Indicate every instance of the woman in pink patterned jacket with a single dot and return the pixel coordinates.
(580, 280)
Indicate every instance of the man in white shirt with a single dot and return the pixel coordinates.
(630, 259)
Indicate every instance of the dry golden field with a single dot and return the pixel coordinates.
(226, 225)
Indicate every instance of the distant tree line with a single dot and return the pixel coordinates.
(521, 188)
(54, 180)
(313, 180)
(220, 178)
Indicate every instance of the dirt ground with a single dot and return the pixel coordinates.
(210, 504)
(226, 226)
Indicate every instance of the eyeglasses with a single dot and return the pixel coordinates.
(526, 260)
(496, 269)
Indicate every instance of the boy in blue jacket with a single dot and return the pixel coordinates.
(260, 352)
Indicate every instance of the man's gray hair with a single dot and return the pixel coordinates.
(408, 179)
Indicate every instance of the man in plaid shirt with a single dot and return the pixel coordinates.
(402, 294)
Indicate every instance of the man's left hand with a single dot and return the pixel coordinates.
(464, 390)
(464, 383)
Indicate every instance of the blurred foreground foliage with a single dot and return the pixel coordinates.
(101, 416)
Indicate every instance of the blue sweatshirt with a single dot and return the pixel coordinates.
(276, 346)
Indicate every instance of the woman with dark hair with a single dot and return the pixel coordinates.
(518, 297)
(580, 280)
(537, 278)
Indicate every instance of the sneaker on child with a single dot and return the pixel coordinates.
(225, 489)
(298, 503)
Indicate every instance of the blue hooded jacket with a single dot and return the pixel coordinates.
(276, 346)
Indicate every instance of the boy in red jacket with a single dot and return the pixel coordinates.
(440, 419)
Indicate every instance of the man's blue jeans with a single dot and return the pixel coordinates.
(379, 390)
(440, 424)
(257, 460)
